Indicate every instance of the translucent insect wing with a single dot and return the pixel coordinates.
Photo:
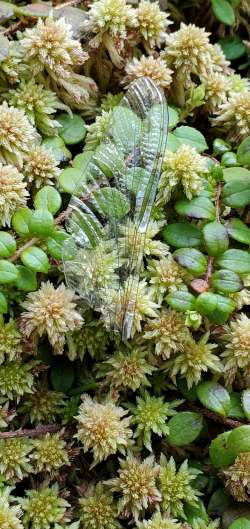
(112, 207)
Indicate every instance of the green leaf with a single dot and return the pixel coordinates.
(4, 46)
(191, 136)
(35, 259)
(70, 180)
(223, 11)
(220, 146)
(26, 279)
(173, 143)
(6, 11)
(191, 259)
(206, 303)
(232, 47)
(219, 452)
(111, 202)
(240, 523)
(236, 409)
(73, 128)
(236, 192)
(8, 272)
(239, 440)
(184, 428)
(62, 375)
(48, 198)
(226, 281)
(189, 393)
(58, 148)
(238, 231)
(81, 161)
(181, 300)
(218, 502)
(7, 244)
(41, 223)
(126, 129)
(55, 244)
(229, 159)
(243, 152)
(236, 260)
(216, 307)
(214, 397)
(197, 208)
(136, 179)
(235, 174)
(182, 234)
(216, 238)
(245, 399)
(173, 117)
(3, 304)
(20, 221)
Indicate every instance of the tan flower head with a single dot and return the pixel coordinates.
(188, 51)
(17, 135)
(40, 167)
(102, 428)
(152, 23)
(13, 192)
(50, 310)
(234, 115)
(156, 69)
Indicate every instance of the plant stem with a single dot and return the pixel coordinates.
(32, 432)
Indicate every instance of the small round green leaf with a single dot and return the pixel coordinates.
(55, 244)
(70, 180)
(191, 136)
(226, 281)
(232, 47)
(7, 244)
(41, 223)
(26, 279)
(238, 231)
(214, 397)
(239, 440)
(58, 148)
(8, 272)
(73, 128)
(191, 259)
(245, 399)
(181, 300)
(219, 451)
(236, 410)
(243, 152)
(82, 160)
(62, 375)
(216, 307)
(223, 11)
(48, 198)
(229, 159)
(173, 117)
(236, 260)
(240, 523)
(197, 208)
(216, 238)
(220, 146)
(3, 304)
(184, 428)
(20, 221)
(35, 259)
(182, 235)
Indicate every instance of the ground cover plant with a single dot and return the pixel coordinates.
(110, 421)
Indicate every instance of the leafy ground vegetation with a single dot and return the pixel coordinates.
(152, 432)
